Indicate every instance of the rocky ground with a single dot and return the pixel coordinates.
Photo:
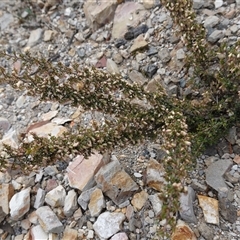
(112, 196)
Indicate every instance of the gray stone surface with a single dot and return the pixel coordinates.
(215, 172)
(186, 206)
(49, 220)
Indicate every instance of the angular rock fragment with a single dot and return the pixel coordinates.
(84, 198)
(70, 234)
(210, 209)
(226, 208)
(98, 15)
(127, 14)
(48, 220)
(186, 206)
(108, 224)
(215, 173)
(70, 203)
(6, 193)
(183, 232)
(115, 182)
(20, 204)
(156, 203)
(155, 175)
(38, 233)
(56, 197)
(81, 171)
(40, 197)
(97, 202)
(139, 199)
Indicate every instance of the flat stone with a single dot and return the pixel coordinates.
(56, 197)
(186, 206)
(183, 231)
(70, 234)
(81, 171)
(35, 37)
(127, 14)
(215, 36)
(211, 21)
(137, 77)
(40, 198)
(210, 209)
(98, 15)
(48, 220)
(37, 233)
(45, 130)
(97, 202)
(108, 224)
(156, 203)
(112, 66)
(84, 198)
(155, 175)
(115, 182)
(138, 43)
(70, 203)
(20, 204)
(6, 193)
(139, 199)
(215, 172)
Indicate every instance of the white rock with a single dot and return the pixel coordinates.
(156, 203)
(112, 66)
(35, 37)
(20, 204)
(39, 198)
(70, 203)
(56, 197)
(38, 233)
(218, 3)
(108, 224)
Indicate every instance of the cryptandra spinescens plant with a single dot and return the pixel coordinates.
(178, 122)
(97, 90)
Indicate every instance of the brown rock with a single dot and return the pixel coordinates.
(81, 171)
(183, 232)
(115, 182)
(210, 209)
(97, 202)
(70, 234)
(98, 15)
(139, 199)
(155, 175)
(138, 43)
